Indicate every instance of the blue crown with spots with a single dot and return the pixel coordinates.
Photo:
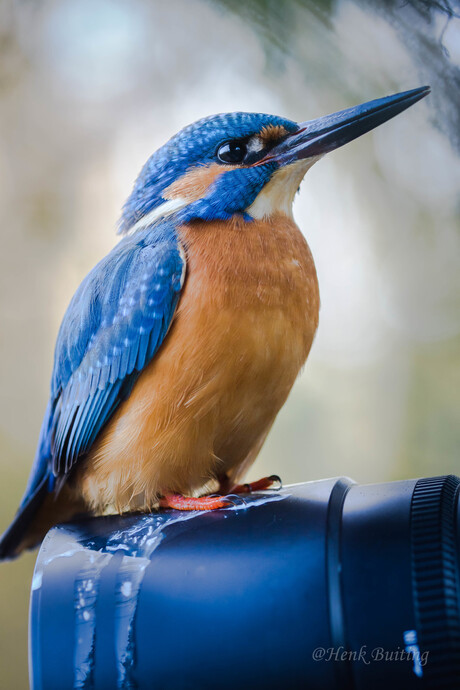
(197, 145)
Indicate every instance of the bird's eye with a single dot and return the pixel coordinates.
(232, 152)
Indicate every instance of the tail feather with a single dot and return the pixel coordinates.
(17, 537)
(12, 540)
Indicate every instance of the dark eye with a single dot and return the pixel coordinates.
(232, 152)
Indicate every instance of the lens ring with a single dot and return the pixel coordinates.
(435, 578)
(337, 498)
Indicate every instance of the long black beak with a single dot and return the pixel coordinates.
(317, 137)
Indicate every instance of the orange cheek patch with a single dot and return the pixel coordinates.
(195, 183)
(271, 133)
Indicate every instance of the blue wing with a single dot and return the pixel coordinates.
(114, 325)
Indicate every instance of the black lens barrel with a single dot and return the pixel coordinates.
(327, 584)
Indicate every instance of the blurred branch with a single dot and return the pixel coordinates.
(416, 22)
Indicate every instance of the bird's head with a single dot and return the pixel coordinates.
(245, 163)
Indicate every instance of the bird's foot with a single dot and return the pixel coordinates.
(180, 502)
(216, 501)
(259, 485)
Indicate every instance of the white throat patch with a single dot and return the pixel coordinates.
(278, 194)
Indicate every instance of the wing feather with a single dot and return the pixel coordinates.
(114, 326)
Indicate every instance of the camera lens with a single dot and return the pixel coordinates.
(327, 584)
(399, 592)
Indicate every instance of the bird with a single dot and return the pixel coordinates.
(180, 347)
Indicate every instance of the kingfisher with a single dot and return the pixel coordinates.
(179, 348)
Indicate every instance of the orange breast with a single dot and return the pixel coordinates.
(203, 406)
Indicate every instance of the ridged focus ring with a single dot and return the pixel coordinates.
(435, 576)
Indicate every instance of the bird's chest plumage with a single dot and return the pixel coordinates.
(251, 302)
(243, 329)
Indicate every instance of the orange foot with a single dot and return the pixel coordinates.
(188, 503)
(179, 502)
(259, 485)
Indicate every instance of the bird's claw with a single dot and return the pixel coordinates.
(276, 479)
(260, 485)
(239, 498)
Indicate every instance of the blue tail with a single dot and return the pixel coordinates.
(39, 485)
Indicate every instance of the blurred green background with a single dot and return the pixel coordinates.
(89, 89)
